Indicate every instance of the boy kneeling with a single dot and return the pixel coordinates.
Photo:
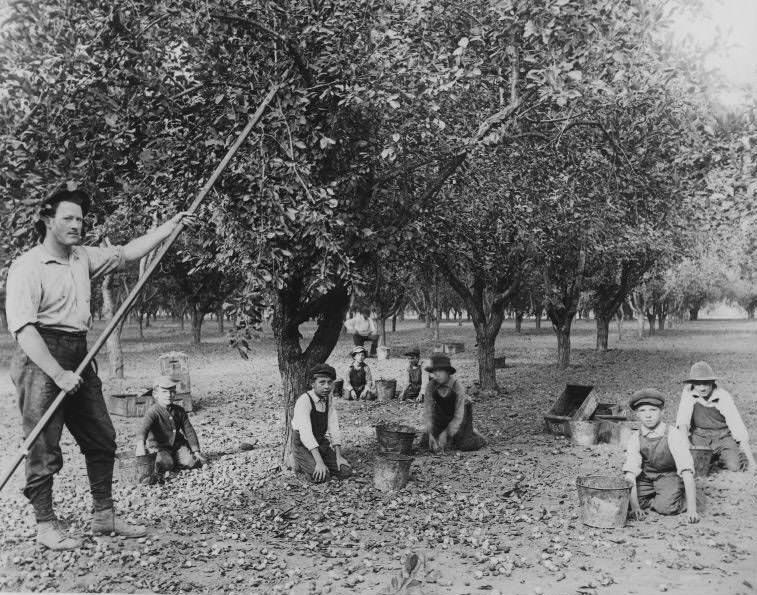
(316, 440)
(658, 463)
(447, 411)
(168, 432)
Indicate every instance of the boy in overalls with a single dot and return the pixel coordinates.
(167, 431)
(709, 416)
(316, 439)
(414, 376)
(359, 378)
(659, 465)
(447, 411)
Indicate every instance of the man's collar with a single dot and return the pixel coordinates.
(45, 256)
(658, 430)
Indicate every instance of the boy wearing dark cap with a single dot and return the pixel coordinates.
(658, 464)
(709, 416)
(316, 439)
(447, 411)
(414, 375)
(358, 377)
(167, 431)
(48, 312)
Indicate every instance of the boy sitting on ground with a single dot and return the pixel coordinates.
(709, 415)
(414, 376)
(448, 412)
(659, 465)
(167, 431)
(316, 439)
(358, 378)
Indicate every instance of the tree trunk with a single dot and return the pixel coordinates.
(619, 319)
(382, 332)
(3, 318)
(394, 323)
(693, 313)
(113, 343)
(140, 321)
(197, 318)
(749, 313)
(219, 315)
(563, 346)
(294, 363)
(147, 320)
(518, 321)
(651, 320)
(487, 374)
(437, 312)
(603, 331)
(661, 321)
(538, 314)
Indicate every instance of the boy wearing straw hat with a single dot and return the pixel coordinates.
(358, 377)
(447, 410)
(316, 439)
(167, 431)
(659, 465)
(709, 416)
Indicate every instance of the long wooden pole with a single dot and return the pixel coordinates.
(131, 298)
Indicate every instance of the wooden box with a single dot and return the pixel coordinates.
(453, 348)
(574, 404)
(500, 362)
(129, 405)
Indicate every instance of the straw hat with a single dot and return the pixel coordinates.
(701, 372)
(358, 349)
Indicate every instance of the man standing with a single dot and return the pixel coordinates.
(48, 311)
(362, 327)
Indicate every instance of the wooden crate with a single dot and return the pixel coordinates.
(129, 405)
(500, 362)
(574, 404)
(453, 348)
(183, 399)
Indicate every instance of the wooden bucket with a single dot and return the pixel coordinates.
(136, 470)
(391, 471)
(395, 438)
(386, 390)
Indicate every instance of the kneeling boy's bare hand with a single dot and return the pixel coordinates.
(638, 514)
(321, 472)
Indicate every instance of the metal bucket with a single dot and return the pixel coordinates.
(391, 471)
(604, 501)
(386, 390)
(395, 438)
(136, 470)
(702, 456)
(583, 433)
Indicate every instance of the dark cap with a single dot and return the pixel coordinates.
(439, 361)
(320, 370)
(646, 396)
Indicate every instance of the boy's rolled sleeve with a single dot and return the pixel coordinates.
(335, 434)
(678, 444)
(633, 455)
(727, 407)
(23, 293)
(301, 421)
(685, 409)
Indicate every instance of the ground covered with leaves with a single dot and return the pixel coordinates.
(501, 520)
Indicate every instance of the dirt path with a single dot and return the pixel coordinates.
(500, 520)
